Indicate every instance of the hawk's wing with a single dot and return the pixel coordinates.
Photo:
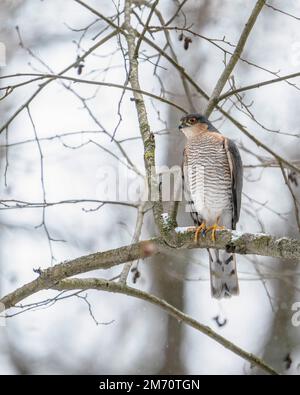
(236, 170)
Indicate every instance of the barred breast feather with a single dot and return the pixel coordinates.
(208, 173)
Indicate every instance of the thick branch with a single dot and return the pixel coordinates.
(241, 243)
(234, 58)
(147, 135)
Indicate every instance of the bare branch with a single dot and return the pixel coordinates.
(283, 12)
(258, 85)
(138, 44)
(135, 239)
(52, 77)
(199, 90)
(109, 286)
(296, 203)
(42, 86)
(147, 136)
(12, 204)
(234, 58)
(241, 243)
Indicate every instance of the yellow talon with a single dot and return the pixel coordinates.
(213, 229)
(198, 230)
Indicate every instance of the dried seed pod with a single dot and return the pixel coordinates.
(180, 37)
(187, 41)
(79, 68)
(136, 274)
(292, 176)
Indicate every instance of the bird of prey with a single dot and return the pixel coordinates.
(213, 177)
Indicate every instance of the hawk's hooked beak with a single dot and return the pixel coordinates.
(180, 126)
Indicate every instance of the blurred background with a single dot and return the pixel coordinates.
(52, 157)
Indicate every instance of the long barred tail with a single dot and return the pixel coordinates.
(223, 274)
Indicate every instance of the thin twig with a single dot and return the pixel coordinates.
(135, 239)
(52, 77)
(42, 86)
(292, 194)
(139, 42)
(258, 85)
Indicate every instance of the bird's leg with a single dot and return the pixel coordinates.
(201, 228)
(213, 229)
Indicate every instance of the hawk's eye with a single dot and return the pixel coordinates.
(192, 121)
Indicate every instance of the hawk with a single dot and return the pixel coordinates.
(213, 177)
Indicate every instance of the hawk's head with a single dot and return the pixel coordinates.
(192, 124)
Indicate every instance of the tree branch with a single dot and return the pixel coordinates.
(198, 89)
(42, 86)
(147, 136)
(55, 277)
(241, 243)
(109, 286)
(136, 236)
(52, 77)
(258, 85)
(223, 112)
(139, 42)
(234, 58)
